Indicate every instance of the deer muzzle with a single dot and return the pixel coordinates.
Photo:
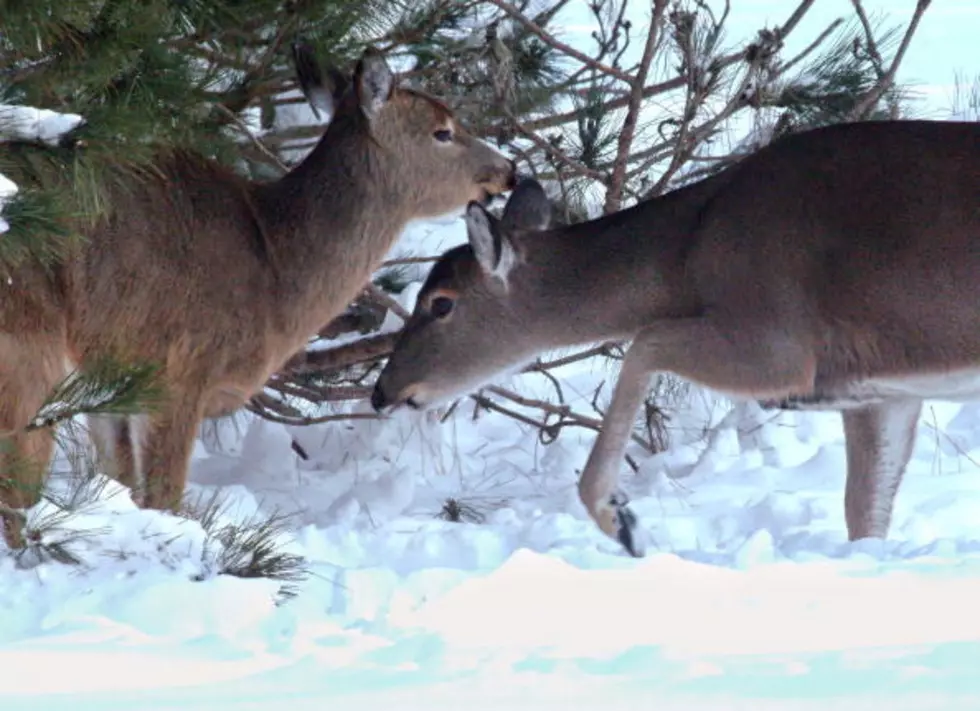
(499, 178)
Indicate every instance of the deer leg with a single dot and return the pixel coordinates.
(30, 369)
(879, 440)
(745, 360)
(166, 449)
(598, 488)
(114, 438)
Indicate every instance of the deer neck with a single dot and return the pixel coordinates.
(605, 280)
(328, 223)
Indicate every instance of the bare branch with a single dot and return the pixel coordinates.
(306, 421)
(378, 295)
(341, 357)
(810, 48)
(556, 154)
(614, 190)
(795, 18)
(547, 38)
(867, 103)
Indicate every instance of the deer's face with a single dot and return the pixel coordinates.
(441, 166)
(427, 164)
(471, 321)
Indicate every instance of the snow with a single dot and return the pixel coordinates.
(26, 123)
(7, 190)
(750, 596)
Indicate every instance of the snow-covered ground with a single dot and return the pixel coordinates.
(750, 596)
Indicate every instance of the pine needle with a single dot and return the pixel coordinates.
(249, 548)
(104, 387)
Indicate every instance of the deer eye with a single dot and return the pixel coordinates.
(441, 306)
(443, 135)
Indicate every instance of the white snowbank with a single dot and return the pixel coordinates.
(751, 597)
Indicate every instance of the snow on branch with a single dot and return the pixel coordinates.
(26, 123)
(7, 190)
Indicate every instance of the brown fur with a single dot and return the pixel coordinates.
(828, 271)
(219, 280)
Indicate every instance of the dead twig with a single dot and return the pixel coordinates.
(614, 188)
(549, 39)
(863, 108)
(379, 296)
(355, 353)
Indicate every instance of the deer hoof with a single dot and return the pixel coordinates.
(625, 525)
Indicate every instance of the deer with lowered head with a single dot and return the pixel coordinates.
(218, 280)
(835, 269)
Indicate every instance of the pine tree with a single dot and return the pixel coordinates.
(146, 79)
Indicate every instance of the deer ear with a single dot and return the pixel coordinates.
(491, 247)
(373, 82)
(339, 83)
(528, 208)
(323, 95)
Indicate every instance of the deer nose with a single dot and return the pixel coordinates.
(378, 398)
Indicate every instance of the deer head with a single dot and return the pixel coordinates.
(422, 162)
(471, 320)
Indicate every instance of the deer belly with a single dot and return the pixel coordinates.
(224, 401)
(953, 386)
(239, 384)
(961, 385)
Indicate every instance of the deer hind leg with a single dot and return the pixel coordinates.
(879, 440)
(30, 369)
(748, 360)
(116, 439)
(165, 448)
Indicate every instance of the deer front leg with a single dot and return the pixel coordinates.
(879, 440)
(598, 488)
(747, 360)
(30, 369)
(166, 449)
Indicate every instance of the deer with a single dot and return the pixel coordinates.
(834, 269)
(218, 280)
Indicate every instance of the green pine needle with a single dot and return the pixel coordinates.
(104, 387)
(38, 229)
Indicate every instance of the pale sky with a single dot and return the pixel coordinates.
(945, 45)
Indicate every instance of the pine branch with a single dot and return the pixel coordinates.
(103, 388)
(38, 231)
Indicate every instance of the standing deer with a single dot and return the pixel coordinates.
(835, 269)
(219, 280)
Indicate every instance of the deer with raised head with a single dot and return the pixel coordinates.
(218, 280)
(835, 269)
